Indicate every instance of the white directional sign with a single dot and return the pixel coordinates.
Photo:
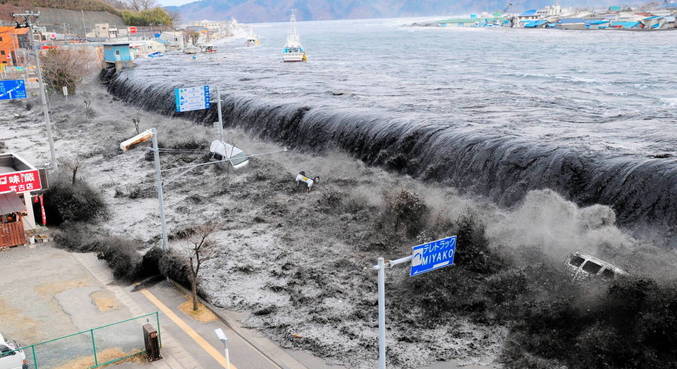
(192, 98)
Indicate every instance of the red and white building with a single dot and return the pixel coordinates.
(20, 185)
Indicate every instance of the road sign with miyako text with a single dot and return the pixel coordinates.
(19, 182)
(433, 255)
(192, 98)
(13, 89)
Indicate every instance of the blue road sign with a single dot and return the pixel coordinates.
(433, 255)
(13, 89)
(192, 98)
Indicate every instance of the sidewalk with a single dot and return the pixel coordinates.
(188, 343)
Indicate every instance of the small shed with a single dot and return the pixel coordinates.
(117, 52)
(12, 212)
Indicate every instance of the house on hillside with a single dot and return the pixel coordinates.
(105, 31)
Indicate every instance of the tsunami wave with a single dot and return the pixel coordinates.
(642, 191)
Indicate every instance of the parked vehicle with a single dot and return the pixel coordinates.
(10, 357)
(584, 266)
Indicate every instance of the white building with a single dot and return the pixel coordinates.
(173, 40)
(141, 48)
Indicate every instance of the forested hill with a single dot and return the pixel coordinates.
(102, 10)
(90, 5)
(276, 10)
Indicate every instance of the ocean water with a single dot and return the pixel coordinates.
(497, 112)
(604, 90)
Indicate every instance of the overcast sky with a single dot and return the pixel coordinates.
(174, 2)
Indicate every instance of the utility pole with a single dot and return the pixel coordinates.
(84, 29)
(43, 94)
(160, 194)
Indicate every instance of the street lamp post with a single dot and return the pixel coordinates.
(222, 337)
(45, 107)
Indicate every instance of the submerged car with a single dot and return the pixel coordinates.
(10, 357)
(583, 266)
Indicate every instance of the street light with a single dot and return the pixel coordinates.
(45, 106)
(151, 135)
(222, 337)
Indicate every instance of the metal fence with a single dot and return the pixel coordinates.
(90, 348)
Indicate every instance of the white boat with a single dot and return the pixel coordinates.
(293, 50)
(252, 39)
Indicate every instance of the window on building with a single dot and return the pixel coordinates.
(0, 39)
(2, 52)
(117, 52)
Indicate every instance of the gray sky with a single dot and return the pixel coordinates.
(174, 2)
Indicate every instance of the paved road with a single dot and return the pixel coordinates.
(199, 338)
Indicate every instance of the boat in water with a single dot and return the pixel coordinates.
(293, 50)
(252, 39)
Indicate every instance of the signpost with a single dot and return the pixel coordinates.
(424, 258)
(192, 98)
(13, 89)
(132, 30)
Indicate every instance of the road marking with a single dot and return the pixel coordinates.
(186, 328)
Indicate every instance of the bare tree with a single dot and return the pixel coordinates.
(191, 36)
(72, 164)
(136, 121)
(201, 250)
(139, 5)
(67, 67)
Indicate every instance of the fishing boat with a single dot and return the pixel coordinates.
(252, 39)
(293, 50)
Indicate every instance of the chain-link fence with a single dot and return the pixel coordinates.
(88, 349)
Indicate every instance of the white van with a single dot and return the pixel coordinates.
(10, 357)
(584, 266)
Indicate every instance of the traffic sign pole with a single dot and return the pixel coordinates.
(381, 314)
(218, 105)
(429, 256)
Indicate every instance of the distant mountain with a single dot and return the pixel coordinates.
(278, 10)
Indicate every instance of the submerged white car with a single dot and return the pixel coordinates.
(10, 357)
(584, 266)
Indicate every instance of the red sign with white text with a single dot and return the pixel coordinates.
(19, 182)
(132, 30)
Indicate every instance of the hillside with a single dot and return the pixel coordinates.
(89, 5)
(278, 10)
(7, 7)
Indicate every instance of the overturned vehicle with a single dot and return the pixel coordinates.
(583, 267)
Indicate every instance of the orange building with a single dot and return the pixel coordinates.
(12, 39)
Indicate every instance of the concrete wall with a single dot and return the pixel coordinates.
(70, 21)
